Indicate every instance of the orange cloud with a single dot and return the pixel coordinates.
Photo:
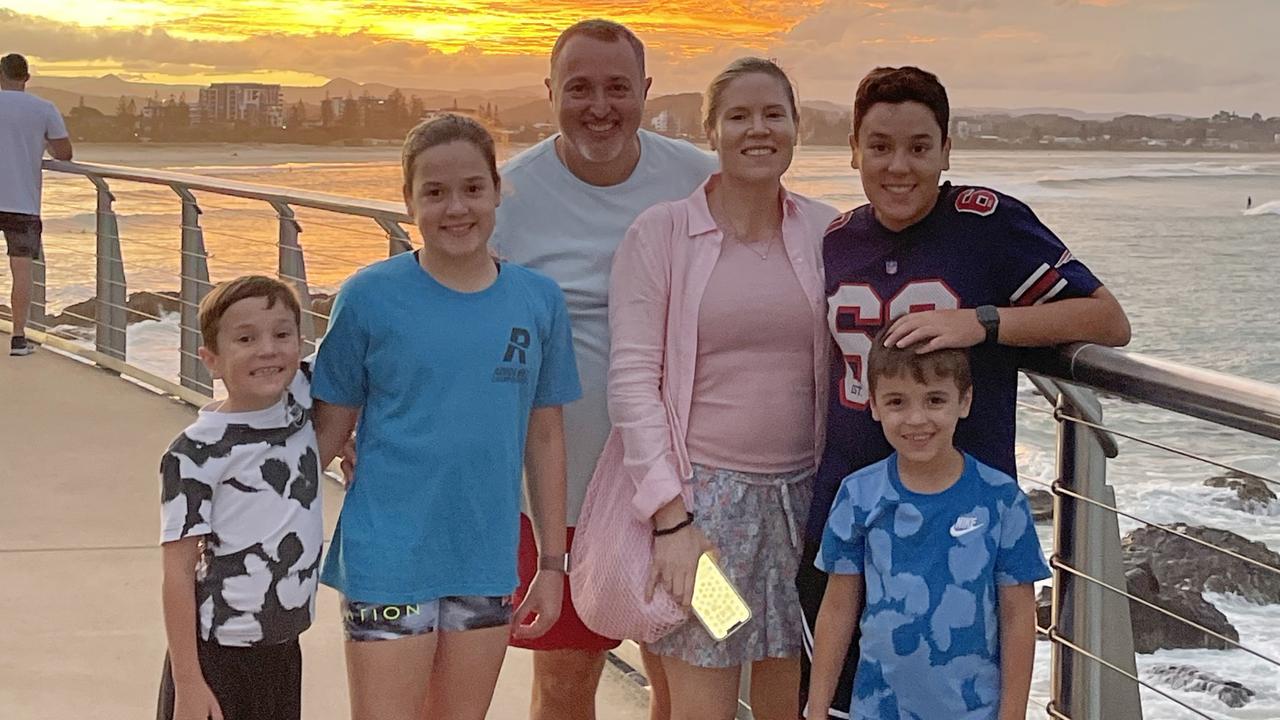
(682, 28)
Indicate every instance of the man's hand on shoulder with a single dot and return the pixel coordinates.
(931, 330)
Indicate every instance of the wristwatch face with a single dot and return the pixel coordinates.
(989, 318)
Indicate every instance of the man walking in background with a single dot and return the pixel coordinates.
(569, 201)
(27, 125)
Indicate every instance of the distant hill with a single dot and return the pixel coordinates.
(113, 86)
(65, 100)
(516, 106)
(1019, 112)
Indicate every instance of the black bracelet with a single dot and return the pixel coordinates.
(675, 528)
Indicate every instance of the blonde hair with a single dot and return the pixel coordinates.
(714, 96)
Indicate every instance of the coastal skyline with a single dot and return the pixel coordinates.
(1189, 57)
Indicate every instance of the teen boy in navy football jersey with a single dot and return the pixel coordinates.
(945, 267)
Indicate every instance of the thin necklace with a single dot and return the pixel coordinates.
(731, 231)
(768, 243)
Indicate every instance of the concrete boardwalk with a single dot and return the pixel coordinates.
(80, 624)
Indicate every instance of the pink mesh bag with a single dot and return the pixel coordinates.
(612, 553)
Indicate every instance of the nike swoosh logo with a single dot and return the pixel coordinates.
(956, 532)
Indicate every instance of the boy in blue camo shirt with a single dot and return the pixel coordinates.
(944, 551)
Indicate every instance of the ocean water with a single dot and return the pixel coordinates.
(1167, 232)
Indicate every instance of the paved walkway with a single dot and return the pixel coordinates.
(80, 624)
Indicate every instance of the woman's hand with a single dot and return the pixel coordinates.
(543, 601)
(675, 563)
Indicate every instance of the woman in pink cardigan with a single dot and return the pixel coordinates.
(716, 387)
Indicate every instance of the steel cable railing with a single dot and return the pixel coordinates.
(1177, 451)
(1058, 489)
(1056, 563)
(1056, 637)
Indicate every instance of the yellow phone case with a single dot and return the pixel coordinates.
(716, 602)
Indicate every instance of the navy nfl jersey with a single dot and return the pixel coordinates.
(976, 247)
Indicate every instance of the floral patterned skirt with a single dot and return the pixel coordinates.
(756, 522)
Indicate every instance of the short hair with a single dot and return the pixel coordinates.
(898, 85)
(883, 361)
(14, 67)
(221, 298)
(598, 29)
(442, 131)
(744, 66)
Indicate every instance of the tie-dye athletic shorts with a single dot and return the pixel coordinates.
(364, 621)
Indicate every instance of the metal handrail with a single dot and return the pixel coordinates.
(375, 209)
(1219, 398)
(1085, 559)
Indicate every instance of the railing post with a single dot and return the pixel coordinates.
(1087, 538)
(292, 268)
(112, 311)
(195, 285)
(397, 238)
(36, 319)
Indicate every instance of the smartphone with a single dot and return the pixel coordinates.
(716, 602)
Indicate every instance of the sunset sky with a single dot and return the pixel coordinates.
(1179, 56)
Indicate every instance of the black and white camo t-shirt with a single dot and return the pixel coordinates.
(250, 483)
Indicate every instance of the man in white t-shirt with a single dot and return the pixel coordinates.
(568, 202)
(27, 125)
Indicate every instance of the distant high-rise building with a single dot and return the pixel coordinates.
(251, 103)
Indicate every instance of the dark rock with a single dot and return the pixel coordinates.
(1251, 492)
(1193, 679)
(1044, 609)
(1041, 505)
(1181, 563)
(1154, 630)
(322, 306)
(146, 305)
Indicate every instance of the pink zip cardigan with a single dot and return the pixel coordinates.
(659, 274)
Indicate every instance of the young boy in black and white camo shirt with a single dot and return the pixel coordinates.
(242, 529)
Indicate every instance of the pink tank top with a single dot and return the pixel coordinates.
(753, 391)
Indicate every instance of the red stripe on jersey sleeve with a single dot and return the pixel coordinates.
(1038, 290)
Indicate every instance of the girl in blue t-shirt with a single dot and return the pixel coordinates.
(450, 360)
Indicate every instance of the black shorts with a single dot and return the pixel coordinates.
(21, 234)
(250, 683)
(812, 582)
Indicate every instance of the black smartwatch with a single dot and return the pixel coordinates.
(989, 318)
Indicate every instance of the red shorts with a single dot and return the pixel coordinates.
(568, 633)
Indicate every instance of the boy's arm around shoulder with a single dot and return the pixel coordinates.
(837, 618)
(192, 696)
(1017, 623)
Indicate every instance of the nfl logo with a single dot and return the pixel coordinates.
(891, 267)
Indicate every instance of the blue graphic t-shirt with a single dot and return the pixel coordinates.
(931, 565)
(445, 381)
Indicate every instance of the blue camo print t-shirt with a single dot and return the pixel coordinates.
(931, 565)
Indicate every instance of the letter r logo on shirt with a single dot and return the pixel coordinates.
(517, 345)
